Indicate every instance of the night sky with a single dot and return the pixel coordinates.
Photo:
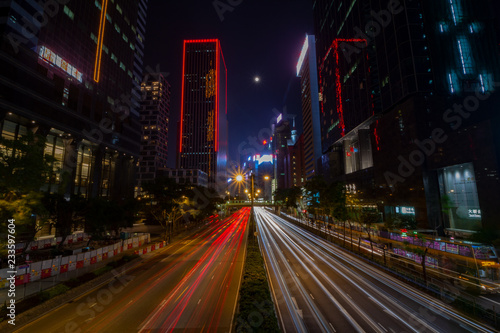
(258, 38)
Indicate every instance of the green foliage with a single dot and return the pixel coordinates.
(103, 216)
(288, 197)
(369, 218)
(53, 292)
(202, 202)
(255, 297)
(486, 236)
(23, 165)
(23, 170)
(332, 198)
(64, 214)
(401, 222)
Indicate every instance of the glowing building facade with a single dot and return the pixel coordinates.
(394, 75)
(75, 80)
(203, 124)
(308, 72)
(155, 116)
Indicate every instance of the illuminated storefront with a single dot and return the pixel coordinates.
(459, 196)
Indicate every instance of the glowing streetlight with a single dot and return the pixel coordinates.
(239, 178)
(266, 177)
(256, 79)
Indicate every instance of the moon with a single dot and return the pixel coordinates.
(256, 79)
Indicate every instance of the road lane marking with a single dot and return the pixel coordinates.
(333, 328)
(199, 301)
(312, 296)
(93, 305)
(382, 326)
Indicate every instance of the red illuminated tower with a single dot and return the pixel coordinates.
(203, 124)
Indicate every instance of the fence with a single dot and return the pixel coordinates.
(49, 268)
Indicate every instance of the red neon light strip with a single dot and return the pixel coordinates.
(102, 24)
(217, 71)
(338, 85)
(201, 41)
(182, 94)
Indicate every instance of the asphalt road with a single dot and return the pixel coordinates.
(320, 288)
(191, 285)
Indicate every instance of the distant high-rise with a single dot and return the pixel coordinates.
(294, 164)
(203, 124)
(155, 114)
(308, 72)
(75, 81)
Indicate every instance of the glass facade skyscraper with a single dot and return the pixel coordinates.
(71, 72)
(203, 124)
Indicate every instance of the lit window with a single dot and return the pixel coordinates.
(117, 28)
(68, 12)
(114, 58)
(125, 38)
(108, 17)
(119, 9)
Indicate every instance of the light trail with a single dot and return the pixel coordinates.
(354, 275)
(226, 244)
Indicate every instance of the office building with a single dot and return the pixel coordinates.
(194, 177)
(308, 72)
(203, 124)
(294, 163)
(75, 80)
(155, 114)
(281, 135)
(410, 89)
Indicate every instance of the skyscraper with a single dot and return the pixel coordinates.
(395, 81)
(308, 72)
(73, 76)
(203, 124)
(155, 115)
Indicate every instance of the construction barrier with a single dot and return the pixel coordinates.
(47, 268)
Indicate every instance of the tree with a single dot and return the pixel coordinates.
(353, 211)
(419, 251)
(24, 168)
(288, 197)
(202, 202)
(315, 189)
(368, 219)
(64, 214)
(164, 201)
(104, 217)
(336, 203)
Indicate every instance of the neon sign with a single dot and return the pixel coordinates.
(265, 158)
(100, 38)
(278, 120)
(57, 61)
(338, 87)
